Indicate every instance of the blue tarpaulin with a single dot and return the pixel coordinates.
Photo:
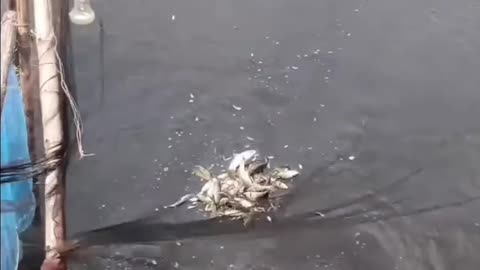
(17, 198)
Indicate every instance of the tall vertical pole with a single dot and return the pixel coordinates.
(53, 135)
(28, 71)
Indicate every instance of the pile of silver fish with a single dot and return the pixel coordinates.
(242, 191)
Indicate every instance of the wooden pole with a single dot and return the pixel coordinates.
(9, 36)
(28, 71)
(53, 135)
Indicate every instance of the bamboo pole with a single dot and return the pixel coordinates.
(51, 106)
(26, 57)
(9, 35)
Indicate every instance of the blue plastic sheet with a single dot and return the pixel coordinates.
(17, 198)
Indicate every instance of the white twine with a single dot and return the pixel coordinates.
(77, 119)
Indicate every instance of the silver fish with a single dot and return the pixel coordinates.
(204, 199)
(260, 188)
(280, 185)
(259, 209)
(222, 176)
(245, 156)
(213, 210)
(233, 213)
(257, 166)
(182, 200)
(261, 179)
(285, 173)
(243, 174)
(244, 203)
(205, 188)
(214, 190)
(202, 173)
(231, 187)
(254, 195)
(223, 201)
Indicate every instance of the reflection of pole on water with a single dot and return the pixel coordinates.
(82, 12)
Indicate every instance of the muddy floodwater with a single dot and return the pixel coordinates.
(357, 93)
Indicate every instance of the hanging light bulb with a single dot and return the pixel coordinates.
(82, 12)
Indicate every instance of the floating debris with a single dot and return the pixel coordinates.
(238, 108)
(242, 191)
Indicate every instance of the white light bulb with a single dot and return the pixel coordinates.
(82, 12)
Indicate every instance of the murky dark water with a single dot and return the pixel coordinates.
(359, 92)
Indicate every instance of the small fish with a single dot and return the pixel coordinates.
(223, 201)
(244, 203)
(254, 195)
(203, 198)
(260, 179)
(230, 187)
(243, 174)
(260, 188)
(214, 190)
(205, 188)
(280, 185)
(222, 176)
(233, 213)
(213, 210)
(259, 209)
(246, 156)
(182, 200)
(257, 166)
(285, 173)
(202, 173)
